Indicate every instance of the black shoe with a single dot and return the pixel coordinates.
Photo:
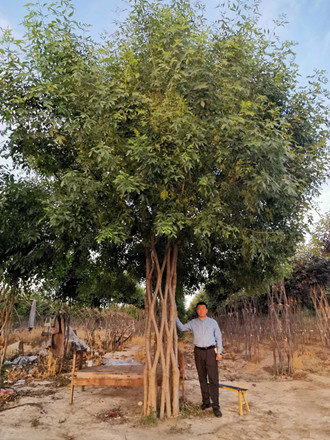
(205, 405)
(217, 412)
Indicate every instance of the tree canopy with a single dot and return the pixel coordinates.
(168, 128)
(34, 256)
(26, 251)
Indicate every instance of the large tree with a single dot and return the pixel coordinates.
(169, 137)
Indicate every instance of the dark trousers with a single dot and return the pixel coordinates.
(207, 368)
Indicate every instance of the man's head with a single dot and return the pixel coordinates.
(201, 303)
(201, 310)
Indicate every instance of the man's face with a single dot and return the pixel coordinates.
(201, 311)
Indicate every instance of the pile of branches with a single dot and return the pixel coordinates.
(103, 330)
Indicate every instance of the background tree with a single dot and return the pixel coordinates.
(33, 256)
(311, 266)
(26, 252)
(26, 241)
(320, 238)
(172, 139)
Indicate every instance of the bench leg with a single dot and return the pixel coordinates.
(72, 377)
(245, 402)
(240, 403)
(71, 394)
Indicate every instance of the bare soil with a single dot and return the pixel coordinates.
(293, 407)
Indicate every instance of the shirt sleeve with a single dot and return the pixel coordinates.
(218, 336)
(183, 327)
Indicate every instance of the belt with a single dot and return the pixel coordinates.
(205, 348)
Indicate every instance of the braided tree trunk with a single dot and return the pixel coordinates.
(160, 333)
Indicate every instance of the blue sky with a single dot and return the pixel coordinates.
(308, 25)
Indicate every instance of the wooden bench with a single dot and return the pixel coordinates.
(241, 396)
(105, 376)
(112, 375)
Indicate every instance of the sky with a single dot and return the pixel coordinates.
(307, 25)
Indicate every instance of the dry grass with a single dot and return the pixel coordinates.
(138, 340)
(47, 366)
(296, 361)
(30, 337)
(140, 356)
(98, 342)
(311, 362)
(103, 331)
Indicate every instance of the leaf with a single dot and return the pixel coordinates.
(164, 194)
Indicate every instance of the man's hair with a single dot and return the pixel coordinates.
(201, 303)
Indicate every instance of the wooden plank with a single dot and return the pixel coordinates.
(120, 369)
(93, 378)
(109, 381)
(91, 375)
(109, 375)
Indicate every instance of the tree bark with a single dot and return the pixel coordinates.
(8, 297)
(160, 332)
(322, 312)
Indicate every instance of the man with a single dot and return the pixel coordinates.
(206, 338)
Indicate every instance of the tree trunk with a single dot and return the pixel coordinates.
(8, 298)
(322, 312)
(281, 327)
(160, 333)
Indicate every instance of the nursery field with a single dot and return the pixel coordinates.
(289, 407)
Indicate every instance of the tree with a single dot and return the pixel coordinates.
(170, 138)
(320, 240)
(31, 252)
(311, 266)
(26, 250)
(25, 244)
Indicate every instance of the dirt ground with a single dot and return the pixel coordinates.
(288, 408)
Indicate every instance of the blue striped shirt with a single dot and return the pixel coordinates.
(205, 332)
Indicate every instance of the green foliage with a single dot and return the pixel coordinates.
(45, 306)
(311, 265)
(32, 254)
(150, 420)
(306, 273)
(319, 244)
(103, 286)
(169, 130)
(26, 247)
